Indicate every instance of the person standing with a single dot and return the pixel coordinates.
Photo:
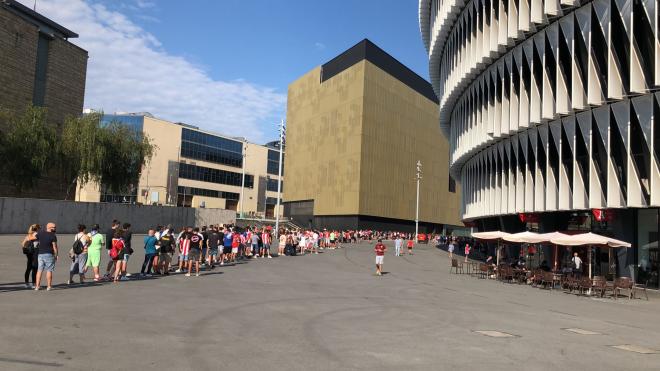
(79, 255)
(212, 246)
(410, 246)
(47, 255)
(128, 250)
(450, 249)
(282, 243)
(380, 255)
(467, 251)
(226, 244)
(117, 252)
(266, 239)
(254, 240)
(195, 252)
(398, 244)
(149, 253)
(577, 265)
(30, 247)
(184, 248)
(109, 235)
(94, 251)
(166, 249)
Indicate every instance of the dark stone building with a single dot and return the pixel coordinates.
(39, 66)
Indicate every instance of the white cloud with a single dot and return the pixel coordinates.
(129, 70)
(319, 45)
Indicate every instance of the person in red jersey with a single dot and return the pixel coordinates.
(380, 254)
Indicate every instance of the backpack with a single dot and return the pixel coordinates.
(78, 247)
(116, 250)
(166, 244)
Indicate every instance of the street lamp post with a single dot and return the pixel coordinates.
(279, 181)
(243, 179)
(266, 196)
(418, 177)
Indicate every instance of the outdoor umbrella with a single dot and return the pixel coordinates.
(589, 239)
(548, 237)
(495, 235)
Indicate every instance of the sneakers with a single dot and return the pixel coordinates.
(69, 282)
(187, 274)
(197, 274)
(177, 271)
(270, 257)
(128, 274)
(124, 278)
(48, 288)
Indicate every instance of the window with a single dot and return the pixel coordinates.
(452, 184)
(274, 162)
(205, 147)
(39, 93)
(192, 191)
(271, 185)
(217, 176)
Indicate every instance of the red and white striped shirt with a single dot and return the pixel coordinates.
(184, 246)
(265, 238)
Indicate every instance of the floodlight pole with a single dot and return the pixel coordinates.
(418, 177)
(243, 178)
(279, 180)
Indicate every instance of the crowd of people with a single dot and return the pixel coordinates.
(194, 248)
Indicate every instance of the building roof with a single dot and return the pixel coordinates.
(46, 25)
(365, 49)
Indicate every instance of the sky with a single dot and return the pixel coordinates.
(223, 65)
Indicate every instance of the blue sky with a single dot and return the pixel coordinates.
(223, 65)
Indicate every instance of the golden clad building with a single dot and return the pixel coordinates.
(356, 127)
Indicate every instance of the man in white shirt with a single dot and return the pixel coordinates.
(577, 264)
(398, 243)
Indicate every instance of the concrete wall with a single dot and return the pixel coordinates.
(18, 213)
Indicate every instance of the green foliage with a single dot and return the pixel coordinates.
(83, 150)
(27, 147)
(125, 152)
(112, 155)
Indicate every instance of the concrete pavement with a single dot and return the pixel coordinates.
(319, 312)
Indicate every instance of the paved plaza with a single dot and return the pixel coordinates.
(319, 312)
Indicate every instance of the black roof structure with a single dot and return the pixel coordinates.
(46, 25)
(365, 49)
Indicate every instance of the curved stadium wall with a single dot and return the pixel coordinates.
(547, 105)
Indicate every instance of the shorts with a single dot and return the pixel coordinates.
(226, 250)
(213, 252)
(379, 259)
(183, 257)
(46, 262)
(234, 250)
(165, 258)
(126, 257)
(193, 255)
(265, 247)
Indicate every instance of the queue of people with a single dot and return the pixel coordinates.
(194, 248)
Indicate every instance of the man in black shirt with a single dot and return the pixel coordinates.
(205, 237)
(195, 252)
(128, 250)
(212, 244)
(47, 255)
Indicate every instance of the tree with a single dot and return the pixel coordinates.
(112, 155)
(27, 147)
